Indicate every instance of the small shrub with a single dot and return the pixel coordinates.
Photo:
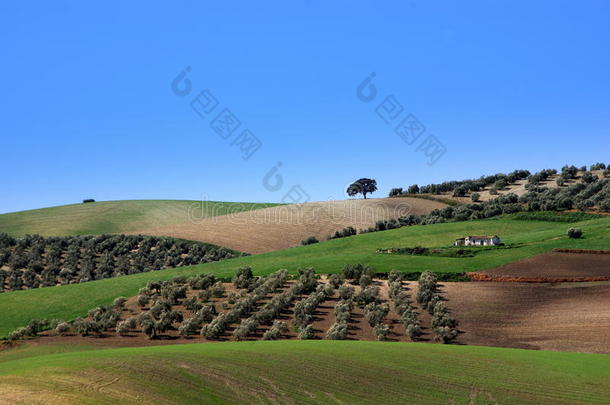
(205, 295)
(475, 197)
(355, 271)
(414, 331)
(130, 322)
(218, 290)
(574, 233)
(276, 331)
(245, 328)
(122, 328)
(307, 333)
(143, 300)
(346, 292)
(445, 334)
(395, 288)
(62, 328)
(149, 328)
(336, 280)
(588, 177)
(309, 241)
(365, 280)
(443, 320)
(381, 331)
(202, 282)
(598, 166)
(119, 302)
(243, 277)
(18, 333)
(368, 295)
(394, 275)
(375, 314)
(460, 192)
(413, 189)
(192, 304)
(395, 192)
(86, 327)
(337, 331)
(344, 233)
(37, 325)
(206, 313)
(343, 310)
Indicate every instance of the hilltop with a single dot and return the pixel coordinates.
(126, 216)
(246, 227)
(281, 227)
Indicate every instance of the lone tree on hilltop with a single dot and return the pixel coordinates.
(362, 186)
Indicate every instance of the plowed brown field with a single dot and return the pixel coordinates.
(552, 267)
(563, 317)
(275, 228)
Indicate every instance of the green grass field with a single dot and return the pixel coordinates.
(114, 216)
(529, 237)
(303, 372)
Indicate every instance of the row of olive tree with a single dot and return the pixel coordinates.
(34, 261)
(445, 327)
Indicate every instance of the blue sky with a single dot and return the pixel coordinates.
(88, 109)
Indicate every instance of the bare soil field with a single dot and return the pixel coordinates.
(281, 227)
(552, 267)
(561, 317)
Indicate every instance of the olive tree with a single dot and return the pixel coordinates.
(381, 331)
(307, 333)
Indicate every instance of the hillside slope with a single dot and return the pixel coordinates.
(517, 187)
(113, 216)
(528, 238)
(281, 227)
(304, 372)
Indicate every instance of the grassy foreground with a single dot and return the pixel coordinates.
(306, 372)
(530, 238)
(114, 216)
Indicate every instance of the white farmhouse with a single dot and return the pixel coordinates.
(478, 241)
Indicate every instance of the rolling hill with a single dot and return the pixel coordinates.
(281, 227)
(127, 216)
(517, 187)
(246, 227)
(524, 238)
(302, 372)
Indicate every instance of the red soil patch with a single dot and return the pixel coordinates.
(556, 266)
(565, 317)
(585, 251)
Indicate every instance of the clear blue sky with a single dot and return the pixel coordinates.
(88, 109)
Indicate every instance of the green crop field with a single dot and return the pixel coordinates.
(303, 372)
(528, 238)
(114, 216)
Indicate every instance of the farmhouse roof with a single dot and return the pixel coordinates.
(482, 237)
